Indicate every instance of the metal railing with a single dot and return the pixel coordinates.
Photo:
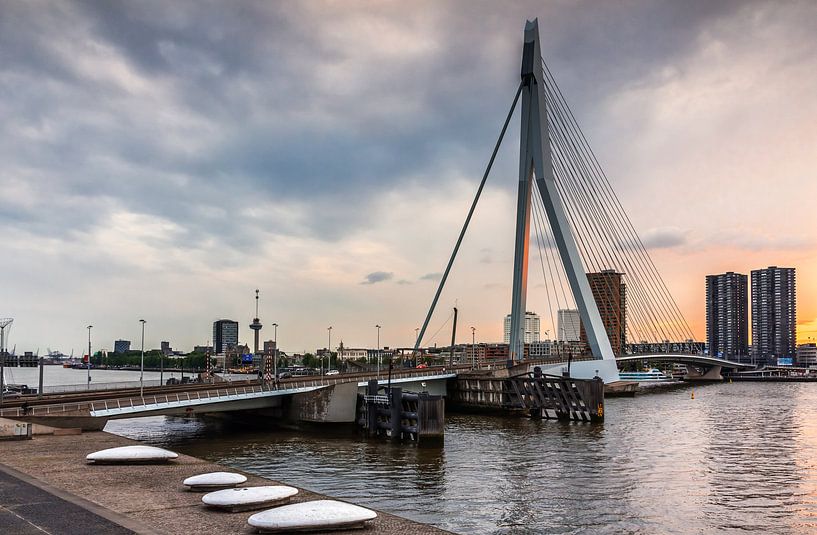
(383, 400)
(120, 385)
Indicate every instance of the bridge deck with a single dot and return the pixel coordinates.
(117, 407)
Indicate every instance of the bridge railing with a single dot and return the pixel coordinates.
(119, 385)
(175, 397)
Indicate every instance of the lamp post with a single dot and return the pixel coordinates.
(416, 343)
(142, 365)
(473, 347)
(330, 348)
(275, 355)
(378, 351)
(89, 357)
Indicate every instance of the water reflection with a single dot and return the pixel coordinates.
(736, 458)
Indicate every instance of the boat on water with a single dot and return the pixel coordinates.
(652, 376)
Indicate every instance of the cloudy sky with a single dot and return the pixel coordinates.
(161, 160)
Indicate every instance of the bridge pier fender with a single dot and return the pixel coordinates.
(711, 374)
(396, 417)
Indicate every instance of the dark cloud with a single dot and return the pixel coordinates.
(431, 276)
(664, 238)
(235, 130)
(196, 114)
(377, 276)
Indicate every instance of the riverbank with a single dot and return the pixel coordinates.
(141, 498)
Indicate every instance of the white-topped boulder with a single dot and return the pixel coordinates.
(214, 480)
(311, 516)
(130, 455)
(249, 498)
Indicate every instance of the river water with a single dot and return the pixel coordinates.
(736, 458)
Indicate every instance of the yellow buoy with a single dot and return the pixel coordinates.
(692, 395)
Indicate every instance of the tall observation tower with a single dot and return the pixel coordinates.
(256, 323)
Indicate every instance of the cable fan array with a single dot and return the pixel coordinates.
(625, 282)
(606, 238)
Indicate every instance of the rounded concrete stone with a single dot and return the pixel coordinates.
(131, 454)
(249, 498)
(214, 480)
(311, 516)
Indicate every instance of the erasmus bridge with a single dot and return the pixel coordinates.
(587, 248)
(582, 236)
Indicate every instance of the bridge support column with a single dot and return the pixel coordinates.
(712, 374)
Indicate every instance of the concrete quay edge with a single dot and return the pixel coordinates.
(147, 499)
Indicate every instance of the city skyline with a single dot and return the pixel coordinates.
(168, 177)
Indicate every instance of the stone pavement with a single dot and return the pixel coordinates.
(26, 509)
(133, 498)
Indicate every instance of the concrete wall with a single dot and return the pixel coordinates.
(333, 404)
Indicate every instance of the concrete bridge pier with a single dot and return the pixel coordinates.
(709, 374)
(333, 404)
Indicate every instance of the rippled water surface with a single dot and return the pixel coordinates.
(736, 458)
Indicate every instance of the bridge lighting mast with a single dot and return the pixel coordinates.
(4, 322)
(89, 359)
(536, 164)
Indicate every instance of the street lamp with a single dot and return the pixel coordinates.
(162, 367)
(275, 355)
(89, 356)
(416, 343)
(330, 348)
(378, 351)
(142, 366)
(473, 347)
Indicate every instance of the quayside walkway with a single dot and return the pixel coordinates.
(126, 499)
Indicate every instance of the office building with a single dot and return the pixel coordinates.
(269, 347)
(610, 294)
(807, 355)
(542, 348)
(225, 335)
(121, 346)
(531, 328)
(774, 316)
(727, 316)
(166, 349)
(569, 325)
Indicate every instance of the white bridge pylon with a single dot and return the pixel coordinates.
(536, 166)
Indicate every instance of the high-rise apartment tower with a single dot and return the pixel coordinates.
(610, 294)
(532, 328)
(774, 315)
(569, 325)
(727, 316)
